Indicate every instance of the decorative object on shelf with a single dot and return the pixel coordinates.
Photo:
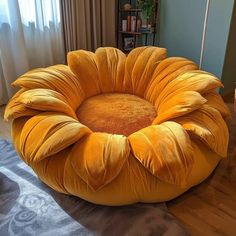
(128, 43)
(139, 21)
(145, 30)
(147, 7)
(127, 6)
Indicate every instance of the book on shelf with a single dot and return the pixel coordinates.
(128, 23)
(133, 23)
(124, 25)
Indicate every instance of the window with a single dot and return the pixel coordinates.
(49, 11)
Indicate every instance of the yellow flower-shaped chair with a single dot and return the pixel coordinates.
(116, 130)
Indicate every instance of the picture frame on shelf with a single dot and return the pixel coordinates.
(129, 43)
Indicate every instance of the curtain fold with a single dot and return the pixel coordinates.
(88, 24)
(30, 36)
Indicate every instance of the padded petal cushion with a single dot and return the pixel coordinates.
(111, 68)
(99, 157)
(58, 78)
(208, 125)
(14, 109)
(17, 126)
(165, 150)
(215, 100)
(178, 105)
(45, 100)
(165, 72)
(59, 132)
(197, 81)
(140, 65)
(83, 64)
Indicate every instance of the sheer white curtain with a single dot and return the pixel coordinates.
(30, 36)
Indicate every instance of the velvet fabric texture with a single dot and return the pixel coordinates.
(184, 139)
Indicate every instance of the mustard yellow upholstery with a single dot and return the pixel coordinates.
(116, 129)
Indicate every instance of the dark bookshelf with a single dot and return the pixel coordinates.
(149, 34)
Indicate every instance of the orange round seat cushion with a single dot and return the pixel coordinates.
(115, 129)
(116, 113)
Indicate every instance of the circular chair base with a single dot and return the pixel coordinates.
(133, 184)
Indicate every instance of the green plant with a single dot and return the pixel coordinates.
(147, 6)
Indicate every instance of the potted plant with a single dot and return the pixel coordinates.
(147, 7)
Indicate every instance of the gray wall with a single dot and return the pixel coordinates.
(220, 13)
(181, 23)
(181, 26)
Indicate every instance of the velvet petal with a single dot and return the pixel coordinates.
(58, 78)
(48, 133)
(215, 100)
(207, 125)
(178, 105)
(14, 109)
(165, 150)
(83, 64)
(99, 157)
(140, 65)
(196, 80)
(165, 72)
(45, 100)
(111, 67)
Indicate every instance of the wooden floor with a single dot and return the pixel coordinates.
(209, 208)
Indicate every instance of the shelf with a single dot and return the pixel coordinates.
(131, 10)
(148, 32)
(135, 33)
(130, 32)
